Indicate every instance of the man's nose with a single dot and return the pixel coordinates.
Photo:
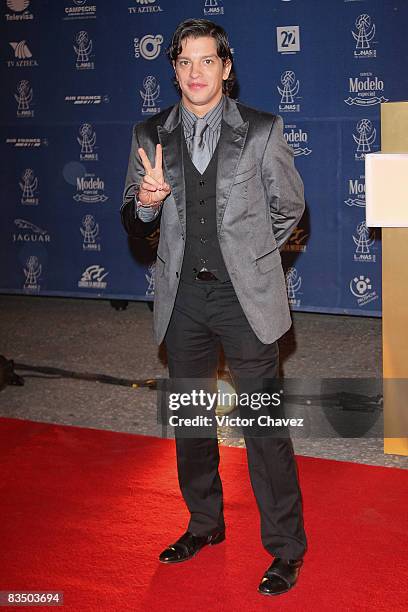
(195, 69)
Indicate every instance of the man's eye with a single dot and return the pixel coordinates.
(208, 61)
(183, 62)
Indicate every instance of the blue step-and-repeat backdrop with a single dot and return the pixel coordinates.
(77, 74)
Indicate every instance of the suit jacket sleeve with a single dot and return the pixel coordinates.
(282, 183)
(135, 227)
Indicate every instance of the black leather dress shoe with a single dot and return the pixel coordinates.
(188, 545)
(280, 576)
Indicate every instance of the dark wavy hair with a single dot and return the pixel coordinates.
(195, 28)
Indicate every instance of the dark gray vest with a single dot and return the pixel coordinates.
(202, 247)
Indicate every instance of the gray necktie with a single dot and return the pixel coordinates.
(200, 153)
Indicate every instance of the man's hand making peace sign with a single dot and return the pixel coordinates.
(153, 188)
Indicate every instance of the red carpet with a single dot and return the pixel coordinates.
(86, 512)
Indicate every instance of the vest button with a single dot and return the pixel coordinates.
(202, 220)
(202, 183)
(203, 240)
(202, 202)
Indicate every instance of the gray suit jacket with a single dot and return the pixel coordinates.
(259, 201)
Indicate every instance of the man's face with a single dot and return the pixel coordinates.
(200, 73)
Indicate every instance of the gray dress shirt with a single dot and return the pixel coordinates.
(211, 137)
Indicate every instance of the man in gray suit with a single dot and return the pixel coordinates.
(219, 179)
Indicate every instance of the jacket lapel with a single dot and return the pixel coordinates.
(170, 135)
(232, 140)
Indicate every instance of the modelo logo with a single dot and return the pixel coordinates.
(356, 85)
(91, 183)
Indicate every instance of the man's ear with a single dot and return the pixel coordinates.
(226, 69)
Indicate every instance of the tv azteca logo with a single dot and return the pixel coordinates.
(289, 93)
(23, 56)
(145, 6)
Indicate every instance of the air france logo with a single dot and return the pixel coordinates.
(361, 288)
(298, 140)
(367, 88)
(213, 7)
(150, 95)
(32, 272)
(22, 56)
(293, 285)
(28, 232)
(364, 139)
(87, 140)
(356, 192)
(24, 97)
(20, 12)
(364, 35)
(83, 49)
(90, 233)
(363, 239)
(289, 92)
(149, 46)
(288, 39)
(145, 6)
(93, 277)
(150, 279)
(28, 186)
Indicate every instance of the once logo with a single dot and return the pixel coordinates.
(149, 46)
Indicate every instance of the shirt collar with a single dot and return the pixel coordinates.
(213, 117)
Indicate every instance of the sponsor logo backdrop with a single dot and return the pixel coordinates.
(77, 74)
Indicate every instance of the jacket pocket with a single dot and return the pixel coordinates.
(245, 176)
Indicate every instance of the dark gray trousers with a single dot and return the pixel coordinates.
(205, 315)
